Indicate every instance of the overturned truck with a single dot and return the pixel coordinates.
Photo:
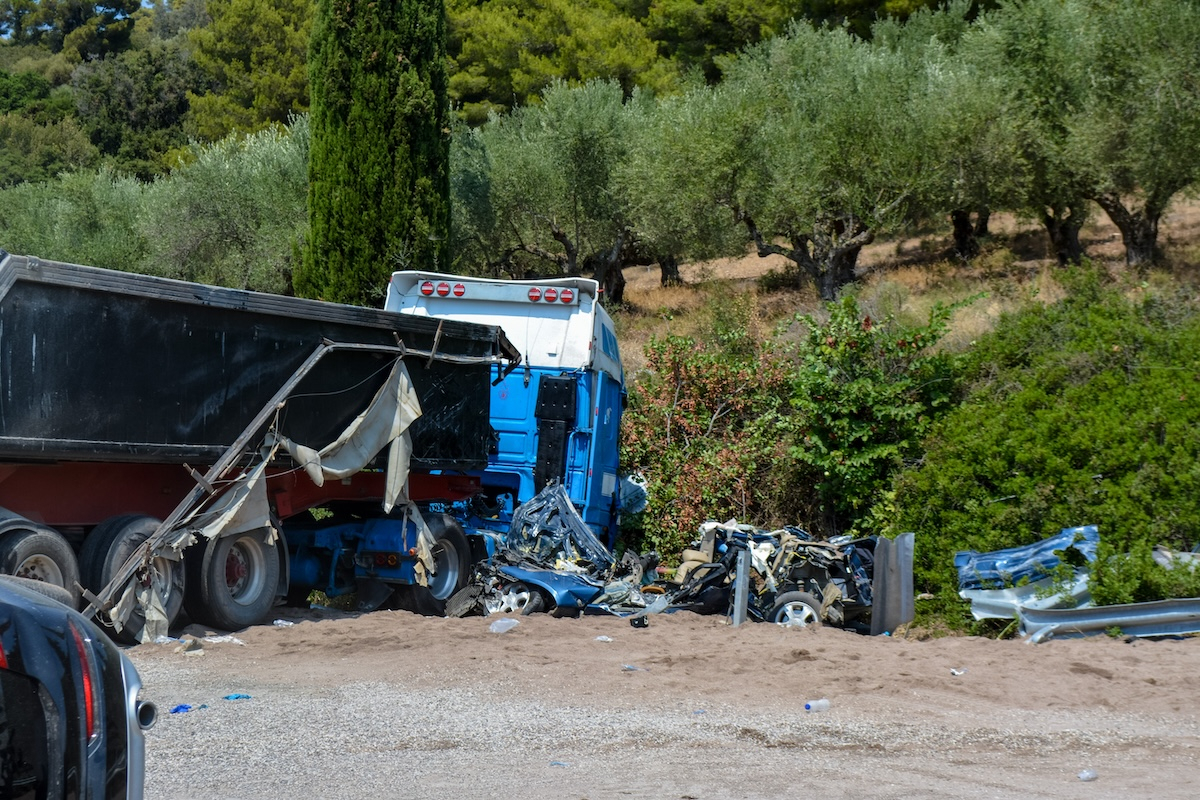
(163, 444)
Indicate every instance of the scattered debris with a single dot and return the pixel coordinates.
(237, 697)
(189, 645)
(283, 623)
(817, 705)
(504, 625)
(957, 672)
(1088, 775)
(603, 638)
(224, 639)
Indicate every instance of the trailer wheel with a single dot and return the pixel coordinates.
(40, 554)
(105, 551)
(232, 580)
(796, 610)
(452, 567)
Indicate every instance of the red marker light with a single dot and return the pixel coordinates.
(566, 295)
(459, 290)
(443, 289)
(427, 288)
(551, 294)
(535, 294)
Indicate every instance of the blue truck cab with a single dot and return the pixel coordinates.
(557, 416)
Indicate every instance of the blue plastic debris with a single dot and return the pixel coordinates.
(182, 708)
(237, 697)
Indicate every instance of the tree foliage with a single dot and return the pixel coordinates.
(379, 177)
(505, 53)
(32, 152)
(134, 105)
(254, 52)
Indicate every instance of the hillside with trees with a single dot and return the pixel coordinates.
(608, 138)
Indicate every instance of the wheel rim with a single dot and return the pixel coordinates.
(165, 569)
(40, 568)
(444, 579)
(244, 571)
(514, 598)
(797, 615)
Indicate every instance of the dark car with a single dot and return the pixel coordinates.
(71, 725)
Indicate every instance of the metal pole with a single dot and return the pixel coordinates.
(741, 587)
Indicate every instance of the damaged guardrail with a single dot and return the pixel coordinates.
(1018, 583)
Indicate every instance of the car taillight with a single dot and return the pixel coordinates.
(88, 667)
(3, 658)
(535, 294)
(566, 295)
(427, 288)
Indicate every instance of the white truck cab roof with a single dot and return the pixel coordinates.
(555, 323)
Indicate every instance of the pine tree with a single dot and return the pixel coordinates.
(379, 183)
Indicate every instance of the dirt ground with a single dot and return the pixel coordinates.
(391, 704)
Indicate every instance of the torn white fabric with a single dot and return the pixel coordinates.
(385, 421)
(150, 599)
(425, 543)
(241, 509)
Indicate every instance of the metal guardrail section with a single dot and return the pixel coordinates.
(1157, 618)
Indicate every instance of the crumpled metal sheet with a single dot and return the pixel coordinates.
(1000, 568)
(1038, 595)
(547, 529)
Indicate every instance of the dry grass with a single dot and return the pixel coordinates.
(903, 278)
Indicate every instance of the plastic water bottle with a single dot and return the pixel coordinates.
(817, 705)
(1088, 775)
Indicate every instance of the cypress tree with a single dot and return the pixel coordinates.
(379, 177)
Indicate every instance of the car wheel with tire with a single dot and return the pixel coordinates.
(796, 610)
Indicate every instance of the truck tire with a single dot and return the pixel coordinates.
(452, 560)
(40, 554)
(231, 580)
(105, 551)
(796, 610)
(41, 587)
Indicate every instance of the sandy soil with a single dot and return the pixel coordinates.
(395, 705)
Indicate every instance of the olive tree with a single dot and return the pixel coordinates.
(1137, 142)
(549, 177)
(679, 156)
(834, 154)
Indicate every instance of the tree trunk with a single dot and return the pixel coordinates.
(1139, 229)
(981, 223)
(606, 269)
(837, 270)
(966, 246)
(668, 266)
(1063, 228)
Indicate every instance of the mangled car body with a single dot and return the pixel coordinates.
(550, 561)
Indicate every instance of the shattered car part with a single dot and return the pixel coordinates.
(1008, 567)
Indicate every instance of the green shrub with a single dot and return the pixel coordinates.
(862, 395)
(1082, 412)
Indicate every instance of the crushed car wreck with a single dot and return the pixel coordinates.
(551, 561)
